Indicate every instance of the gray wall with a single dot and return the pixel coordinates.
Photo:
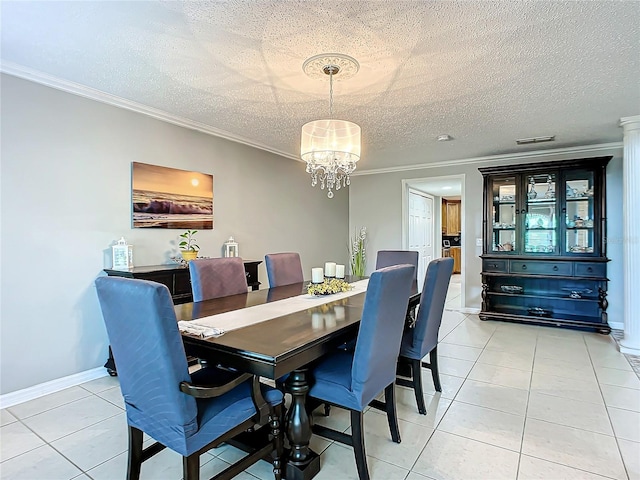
(65, 191)
(375, 201)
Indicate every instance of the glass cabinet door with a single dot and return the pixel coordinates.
(503, 228)
(540, 210)
(579, 212)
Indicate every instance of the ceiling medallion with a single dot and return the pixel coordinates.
(330, 147)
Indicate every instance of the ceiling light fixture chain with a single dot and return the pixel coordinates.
(330, 147)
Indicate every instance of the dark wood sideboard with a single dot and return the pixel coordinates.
(176, 277)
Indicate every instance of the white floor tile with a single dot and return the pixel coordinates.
(586, 391)
(507, 377)
(519, 360)
(454, 367)
(113, 395)
(6, 417)
(379, 445)
(620, 397)
(33, 465)
(497, 397)
(71, 417)
(626, 424)
(613, 359)
(16, 440)
(451, 457)
(338, 462)
(573, 447)
(569, 412)
(101, 384)
(483, 424)
(631, 457)
(562, 368)
(95, 444)
(536, 469)
(459, 351)
(450, 384)
(407, 409)
(619, 378)
(53, 400)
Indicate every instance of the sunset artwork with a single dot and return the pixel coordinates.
(165, 197)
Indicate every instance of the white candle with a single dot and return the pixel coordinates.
(339, 271)
(330, 269)
(317, 275)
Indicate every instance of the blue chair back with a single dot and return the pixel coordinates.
(283, 268)
(217, 277)
(386, 258)
(146, 343)
(432, 300)
(378, 343)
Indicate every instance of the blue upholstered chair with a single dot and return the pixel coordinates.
(186, 413)
(421, 340)
(283, 269)
(217, 277)
(353, 379)
(386, 258)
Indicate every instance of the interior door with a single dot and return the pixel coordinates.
(421, 230)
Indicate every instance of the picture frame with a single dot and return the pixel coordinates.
(164, 197)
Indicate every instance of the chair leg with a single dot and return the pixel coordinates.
(416, 377)
(433, 360)
(191, 467)
(357, 434)
(275, 423)
(392, 415)
(134, 461)
(327, 409)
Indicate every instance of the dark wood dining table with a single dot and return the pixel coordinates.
(283, 345)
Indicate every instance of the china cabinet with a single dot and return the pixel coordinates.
(544, 259)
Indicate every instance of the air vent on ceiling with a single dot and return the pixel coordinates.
(525, 141)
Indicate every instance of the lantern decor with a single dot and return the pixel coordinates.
(122, 255)
(231, 248)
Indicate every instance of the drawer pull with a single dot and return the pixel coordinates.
(555, 268)
(589, 269)
(524, 267)
(495, 265)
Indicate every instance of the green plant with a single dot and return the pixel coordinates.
(358, 260)
(189, 242)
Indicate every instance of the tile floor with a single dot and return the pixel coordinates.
(518, 402)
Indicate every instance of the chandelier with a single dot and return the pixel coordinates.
(330, 147)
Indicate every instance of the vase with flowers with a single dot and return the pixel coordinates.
(357, 257)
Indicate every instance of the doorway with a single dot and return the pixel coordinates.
(425, 229)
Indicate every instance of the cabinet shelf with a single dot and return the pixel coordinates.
(543, 296)
(567, 258)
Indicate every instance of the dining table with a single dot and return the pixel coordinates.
(279, 332)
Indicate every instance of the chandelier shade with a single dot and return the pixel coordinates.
(330, 147)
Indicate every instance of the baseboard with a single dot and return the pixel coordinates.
(31, 393)
(616, 325)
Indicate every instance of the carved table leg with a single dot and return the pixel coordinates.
(303, 463)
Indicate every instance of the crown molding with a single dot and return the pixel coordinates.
(601, 148)
(36, 76)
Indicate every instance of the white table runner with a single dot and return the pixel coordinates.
(216, 325)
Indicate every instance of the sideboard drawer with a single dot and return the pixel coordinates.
(590, 270)
(494, 265)
(541, 268)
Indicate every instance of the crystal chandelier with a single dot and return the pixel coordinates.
(330, 147)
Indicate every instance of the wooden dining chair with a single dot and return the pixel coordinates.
(283, 268)
(188, 413)
(217, 277)
(352, 379)
(422, 339)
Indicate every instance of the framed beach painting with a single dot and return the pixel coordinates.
(165, 197)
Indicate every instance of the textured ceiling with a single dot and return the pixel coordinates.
(483, 72)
